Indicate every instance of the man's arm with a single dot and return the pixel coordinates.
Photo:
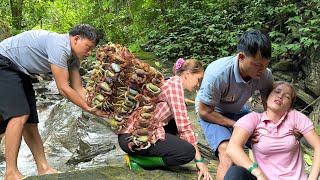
(207, 113)
(61, 77)
(76, 83)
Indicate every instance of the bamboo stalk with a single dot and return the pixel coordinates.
(189, 101)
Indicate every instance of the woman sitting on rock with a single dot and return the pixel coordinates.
(171, 148)
(278, 154)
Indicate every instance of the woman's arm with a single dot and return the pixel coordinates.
(175, 99)
(236, 153)
(202, 168)
(314, 140)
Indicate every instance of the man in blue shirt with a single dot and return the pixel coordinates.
(227, 85)
(39, 51)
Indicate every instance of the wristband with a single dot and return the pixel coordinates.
(254, 165)
(199, 160)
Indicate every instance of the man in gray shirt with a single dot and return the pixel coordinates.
(39, 51)
(226, 86)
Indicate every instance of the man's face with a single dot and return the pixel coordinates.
(252, 67)
(82, 47)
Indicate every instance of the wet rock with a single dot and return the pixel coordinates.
(312, 80)
(123, 173)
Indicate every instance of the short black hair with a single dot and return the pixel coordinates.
(253, 42)
(85, 31)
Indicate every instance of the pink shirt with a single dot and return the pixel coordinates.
(278, 152)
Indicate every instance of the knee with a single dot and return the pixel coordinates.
(18, 121)
(237, 173)
(184, 155)
(223, 157)
(190, 153)
(31, 130)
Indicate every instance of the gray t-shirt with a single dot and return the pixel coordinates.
(33, 51)
(223, 87)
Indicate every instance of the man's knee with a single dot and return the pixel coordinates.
(19, 120)
(31, 130)
(222, 148)
(223, 157)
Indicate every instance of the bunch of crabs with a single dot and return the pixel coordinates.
(123, 86)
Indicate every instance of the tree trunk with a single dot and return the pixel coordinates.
(16, 13)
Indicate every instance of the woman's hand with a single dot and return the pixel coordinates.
(203, 171)
(259, 174)
(262, 177)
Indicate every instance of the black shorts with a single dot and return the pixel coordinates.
(17, 96)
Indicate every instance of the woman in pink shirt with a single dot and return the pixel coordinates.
(170, 147)
(278, 154)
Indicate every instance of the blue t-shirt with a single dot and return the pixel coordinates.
(33, 51)
(223, 87)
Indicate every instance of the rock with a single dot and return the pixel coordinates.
(315, 114)
(123, 173)
(312, 80)
(284, 65)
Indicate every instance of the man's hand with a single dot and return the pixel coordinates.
(255, 137)
(100, 113)
(296, 133)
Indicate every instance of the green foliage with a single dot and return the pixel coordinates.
(208, 30)
(201, 29)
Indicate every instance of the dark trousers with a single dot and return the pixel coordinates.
(238, 173)
(173, 150)
(17, 96)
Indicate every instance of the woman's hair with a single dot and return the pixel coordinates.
(193, 65)
(293, 92)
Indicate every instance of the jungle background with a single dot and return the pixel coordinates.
(164, 30)
(206, 30)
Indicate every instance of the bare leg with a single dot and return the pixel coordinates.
(12, 144)
(224, 161)
(32, 138)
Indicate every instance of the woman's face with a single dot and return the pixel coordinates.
(280, 98)
(193, 81)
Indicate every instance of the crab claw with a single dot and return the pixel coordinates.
(131, 146)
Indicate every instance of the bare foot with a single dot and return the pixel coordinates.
(13, 176)
(49, 170)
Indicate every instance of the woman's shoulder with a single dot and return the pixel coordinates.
(254, 114)
(293, 113)
(251, 117)
(173, 80)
